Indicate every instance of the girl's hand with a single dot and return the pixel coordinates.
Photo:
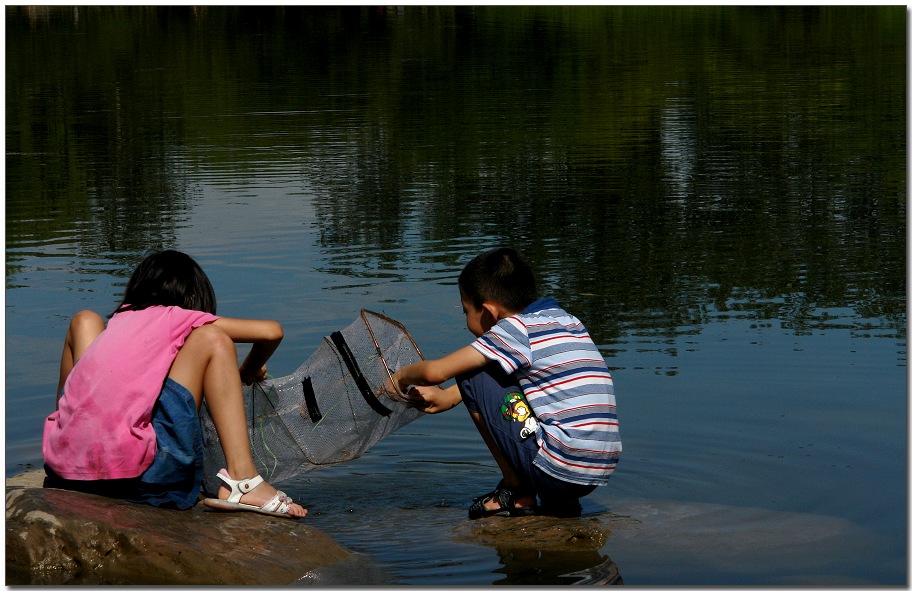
(249, 377)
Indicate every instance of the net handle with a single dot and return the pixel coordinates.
(364, 316)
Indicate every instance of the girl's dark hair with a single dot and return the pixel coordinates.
(500, 275)
(168, 278)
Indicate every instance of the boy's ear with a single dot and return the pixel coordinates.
(496, 311)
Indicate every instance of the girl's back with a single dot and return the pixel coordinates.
(101, 429)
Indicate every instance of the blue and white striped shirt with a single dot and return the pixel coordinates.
(566, 382)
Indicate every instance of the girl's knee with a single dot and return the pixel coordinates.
(211, 338)
(85, 326)
(86, 320)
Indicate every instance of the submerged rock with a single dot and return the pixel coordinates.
(541, 550)
(537, 531)
(56, 537)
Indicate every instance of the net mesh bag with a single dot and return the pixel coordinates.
(332, 409)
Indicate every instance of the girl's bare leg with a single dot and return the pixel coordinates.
(84, 327)
(207, 365)
(510, 478)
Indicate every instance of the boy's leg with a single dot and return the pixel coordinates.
(207, 366)
(497, 407)
(85, 326)
(510, 477)
(558, 497)
(495, 403)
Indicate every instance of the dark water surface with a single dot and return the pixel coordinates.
(718, 193)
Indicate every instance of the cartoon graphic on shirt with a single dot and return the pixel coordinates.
(515, 408)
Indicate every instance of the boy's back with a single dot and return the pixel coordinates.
(566, 382)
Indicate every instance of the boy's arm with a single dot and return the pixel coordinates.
(432, 372)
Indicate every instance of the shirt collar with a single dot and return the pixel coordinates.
(540, 304)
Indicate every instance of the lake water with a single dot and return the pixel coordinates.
(718, 193)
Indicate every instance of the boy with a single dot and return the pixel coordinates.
(535, 386)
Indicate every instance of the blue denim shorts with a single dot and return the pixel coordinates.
(174, 477)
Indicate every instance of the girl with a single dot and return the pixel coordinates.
(126, 423)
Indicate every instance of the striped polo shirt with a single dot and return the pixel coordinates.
(566, 382)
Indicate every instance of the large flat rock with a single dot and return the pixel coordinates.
(56, 537)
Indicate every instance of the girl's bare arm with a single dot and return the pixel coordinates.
(265, 336)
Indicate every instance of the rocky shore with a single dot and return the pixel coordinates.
(56, 537)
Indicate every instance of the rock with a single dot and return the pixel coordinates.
(541, 550)
(56, 537)
(537, 531)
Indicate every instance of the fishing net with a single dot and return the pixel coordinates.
(330, 410)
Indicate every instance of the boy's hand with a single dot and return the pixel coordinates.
(433, 399)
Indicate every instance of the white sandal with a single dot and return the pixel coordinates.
(278, 505)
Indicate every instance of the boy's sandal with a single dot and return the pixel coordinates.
(506, 498)
(278, 505)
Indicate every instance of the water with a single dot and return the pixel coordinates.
(719, 193)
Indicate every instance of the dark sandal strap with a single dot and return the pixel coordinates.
(506, 498)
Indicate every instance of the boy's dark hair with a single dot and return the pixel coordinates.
(168, 278)
(500, 275)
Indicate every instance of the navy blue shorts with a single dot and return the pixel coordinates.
(497, 397)
(174, 477)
